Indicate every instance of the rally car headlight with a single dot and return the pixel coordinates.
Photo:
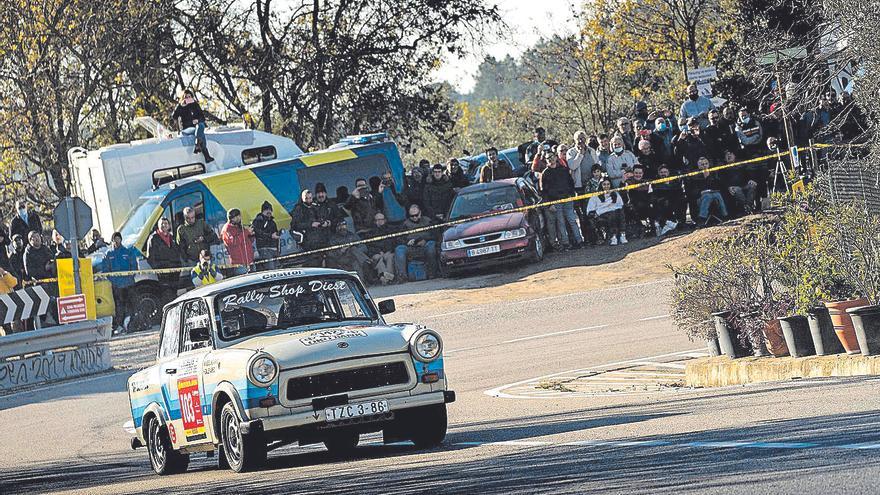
(450, 245)
(513, 234)
(426, 346)
(263, 370)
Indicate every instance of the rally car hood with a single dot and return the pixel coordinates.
(484, 226)
(297, 348)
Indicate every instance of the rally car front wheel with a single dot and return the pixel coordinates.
(163, 458)
(243, 452)
(429, 427)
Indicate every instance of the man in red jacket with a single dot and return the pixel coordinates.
(239, 241)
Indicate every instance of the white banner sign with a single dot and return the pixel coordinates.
(702, 74)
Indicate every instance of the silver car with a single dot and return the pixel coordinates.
(259, 361)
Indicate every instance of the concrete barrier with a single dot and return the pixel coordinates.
(722, 371)
(54, 353)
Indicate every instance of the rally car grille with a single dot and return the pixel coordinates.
(340, 382)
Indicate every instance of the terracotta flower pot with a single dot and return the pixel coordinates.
(796, 331)
(843, 325)
(775, 339)
(825, 341)
(866, 322)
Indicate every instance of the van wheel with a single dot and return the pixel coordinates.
(163, 458)
(242, 452)
(147, 310)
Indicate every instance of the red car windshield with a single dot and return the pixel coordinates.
(469, 204)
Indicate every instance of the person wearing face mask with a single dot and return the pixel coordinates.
(690, 145)
(696, 106)
(25, 220)
(620, 160)
(191, 120)
(664, 134)
(750, 134)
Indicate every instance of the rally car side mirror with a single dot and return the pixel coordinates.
(387, 307)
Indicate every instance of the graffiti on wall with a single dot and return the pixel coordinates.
(54, 366)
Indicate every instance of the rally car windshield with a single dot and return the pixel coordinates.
(289, 303)
(478, 202)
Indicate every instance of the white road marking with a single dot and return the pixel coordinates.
(499, 391)
(674, 366)
(551, 334)
(658, 317)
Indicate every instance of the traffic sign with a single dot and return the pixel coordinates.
(72, 309)
(73, 218)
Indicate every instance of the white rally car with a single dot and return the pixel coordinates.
(263, 360)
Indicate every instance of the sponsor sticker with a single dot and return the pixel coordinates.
(330, 335)
(191, 408)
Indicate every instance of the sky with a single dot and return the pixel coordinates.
(527, 22)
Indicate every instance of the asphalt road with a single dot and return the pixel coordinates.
(817, 436)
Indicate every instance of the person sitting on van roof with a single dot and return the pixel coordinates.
(189, 115)
(194, 235)
(239, 241)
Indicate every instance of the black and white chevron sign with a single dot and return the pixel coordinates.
(23, 304)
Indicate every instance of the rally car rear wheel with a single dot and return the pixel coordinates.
(163, 458)
(243, 452)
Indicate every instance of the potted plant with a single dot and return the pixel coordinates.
(856, 242)
(858, 253)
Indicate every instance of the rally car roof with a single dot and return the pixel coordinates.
(256, 278)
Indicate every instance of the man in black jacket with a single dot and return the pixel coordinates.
(556, 183)
(37, 258)
(25, 220)
(189, 115)
(718, 137)
(740, 184)
(708, 186)
(668, 200)
(437, 193)
(267, 236)
(362, 205)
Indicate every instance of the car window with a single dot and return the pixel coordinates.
(193, 200)
(467, 204)
(195, 315)
(257, 155)
(170, 333)
(269, 306)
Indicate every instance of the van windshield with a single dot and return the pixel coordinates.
(290, 303)
(138, 217)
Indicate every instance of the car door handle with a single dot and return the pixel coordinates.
(170, 371)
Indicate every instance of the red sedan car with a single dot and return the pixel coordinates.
(496, 239)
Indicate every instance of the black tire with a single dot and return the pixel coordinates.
(242, 452)
(342, 443)
(537, 249)
(430, 430)
(222, 463)
(163, 458)
(146, 309)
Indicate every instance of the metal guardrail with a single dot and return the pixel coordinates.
(49, 339)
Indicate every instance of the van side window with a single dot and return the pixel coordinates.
(343, 173)
(195, 315)
(257, 155)
(170, 333)
(165, 175)
(194, 200)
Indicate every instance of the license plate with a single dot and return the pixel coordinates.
(349, 411)
(484, 250)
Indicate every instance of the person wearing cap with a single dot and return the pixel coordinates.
(267, 237)
(326, 211)
(239, 242)
(696, 106)
(193, 235)
(437, 194)
(495, 169)
(347, 257)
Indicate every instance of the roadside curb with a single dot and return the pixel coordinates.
(722, 371)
